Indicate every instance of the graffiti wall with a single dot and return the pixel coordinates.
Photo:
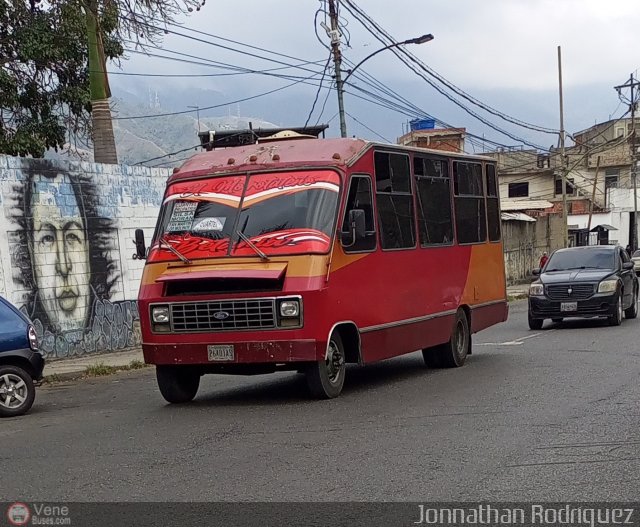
(66, 246)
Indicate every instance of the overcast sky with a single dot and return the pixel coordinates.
(503, 52)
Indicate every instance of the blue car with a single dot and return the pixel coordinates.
(21, 362)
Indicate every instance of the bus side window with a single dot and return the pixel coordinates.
(493, 204)
(360, 197)
(471, 213)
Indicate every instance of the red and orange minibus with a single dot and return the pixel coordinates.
(308, 254)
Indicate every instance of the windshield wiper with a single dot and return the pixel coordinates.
(174, 250)
(262, 256)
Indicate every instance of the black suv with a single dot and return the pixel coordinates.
(594, 281)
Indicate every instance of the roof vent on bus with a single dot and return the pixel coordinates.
(176, 170)
(253, 158)
(231, 161)
(336, 156)
(285, 135)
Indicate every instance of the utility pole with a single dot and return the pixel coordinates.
(337, 61)
(593, 196)
(104, 144)
(563, 171)
(632, 84)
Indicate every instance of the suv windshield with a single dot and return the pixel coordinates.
(282, 213)
(581, 259)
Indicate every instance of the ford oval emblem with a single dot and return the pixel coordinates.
(221, 315)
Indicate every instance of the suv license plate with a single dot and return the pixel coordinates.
(569, 306)
(219, 353)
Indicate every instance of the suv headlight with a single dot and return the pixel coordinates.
(289, 308)
(536, 290)
(33, 338)
(160, 314)
(607, 286)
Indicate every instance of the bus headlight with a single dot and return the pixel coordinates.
(290, 312)
(607, 286)
(289, 308)
(536, 290)
(160, 314)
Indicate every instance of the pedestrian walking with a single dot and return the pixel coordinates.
(543, 259)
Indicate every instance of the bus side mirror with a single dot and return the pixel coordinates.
(357, 228)
(141, 248)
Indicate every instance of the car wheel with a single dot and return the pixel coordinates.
(616, 318)
(453, 353)
(17, 391)
(632, 311)
(178, 384)
(325, 378)
(535, 323)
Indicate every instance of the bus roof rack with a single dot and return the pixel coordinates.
(224, 139)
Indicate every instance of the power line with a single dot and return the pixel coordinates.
(166, 114)
(351, 4)
(315, 100)
(372, 131)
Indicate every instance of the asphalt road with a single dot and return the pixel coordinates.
(533, 415)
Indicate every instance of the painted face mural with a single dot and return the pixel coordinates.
(60, 253)
(64, 269)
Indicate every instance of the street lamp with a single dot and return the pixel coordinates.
(341, 82)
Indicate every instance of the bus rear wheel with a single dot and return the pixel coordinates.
(178, 384)
(325, 378)
(452, 354)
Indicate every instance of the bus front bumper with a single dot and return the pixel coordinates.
(263, 352)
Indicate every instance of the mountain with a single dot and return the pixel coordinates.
(150, 140)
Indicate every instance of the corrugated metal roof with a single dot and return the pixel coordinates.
(525, 204)
(515, 216)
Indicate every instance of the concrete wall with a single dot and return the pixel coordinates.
(66, 249)
(524, 242)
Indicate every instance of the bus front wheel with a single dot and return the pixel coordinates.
(452, 354)
(178, 384)
(325, 378)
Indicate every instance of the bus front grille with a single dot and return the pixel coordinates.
(223, 315)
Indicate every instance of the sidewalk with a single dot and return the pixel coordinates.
(515, 292)
(70, 369)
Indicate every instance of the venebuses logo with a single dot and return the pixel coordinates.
(18, 514)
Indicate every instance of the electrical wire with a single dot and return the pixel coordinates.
(315, 100)
(243, 99)
(377, 28)
(365, 126)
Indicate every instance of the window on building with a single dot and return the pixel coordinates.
(471, 220)
(394, 200)
(570, 187)
(435, 224)
(519, 190)
(611, 177)
(493, 203)
(619, 131)
(361, 197)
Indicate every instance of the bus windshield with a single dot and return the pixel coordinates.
(279, 213)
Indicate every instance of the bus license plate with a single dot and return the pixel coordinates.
(569, 306)
(218, 353)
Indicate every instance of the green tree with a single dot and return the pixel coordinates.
(45, 92)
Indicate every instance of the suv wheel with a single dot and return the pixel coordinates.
(17, 391)
(616, 317)
(535, 323)
(632, 311)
